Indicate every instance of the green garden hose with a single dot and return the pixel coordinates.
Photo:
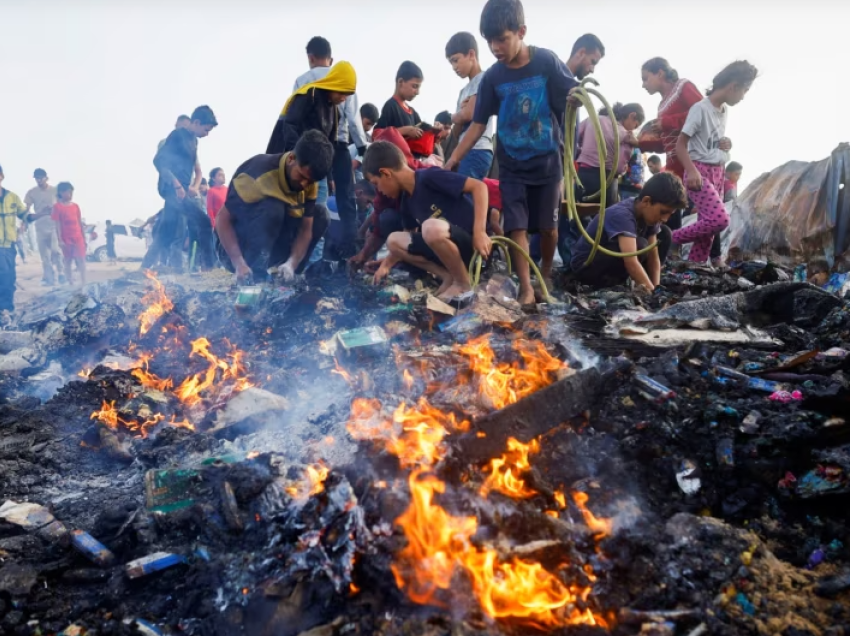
(582, 94)
(505, 242)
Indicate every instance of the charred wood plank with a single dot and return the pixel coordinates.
(537, 413)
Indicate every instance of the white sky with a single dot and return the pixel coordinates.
(90, 87)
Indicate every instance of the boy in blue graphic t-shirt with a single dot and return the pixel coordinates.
(527, 89)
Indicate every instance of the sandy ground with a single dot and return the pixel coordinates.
(29, 276)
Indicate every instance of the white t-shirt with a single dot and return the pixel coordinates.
(706, 125)
(486, 141)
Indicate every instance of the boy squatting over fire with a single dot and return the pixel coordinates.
(451, 226)
(270, 217)
(629, 226)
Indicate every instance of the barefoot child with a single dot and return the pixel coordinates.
(703, 149)
(451, 226)
(527, 90)
(629, 226)
(69, 226)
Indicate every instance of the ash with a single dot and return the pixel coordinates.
(337, 459)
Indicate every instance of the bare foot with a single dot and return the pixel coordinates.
(445, 285)
(453, 291)
(526, 296)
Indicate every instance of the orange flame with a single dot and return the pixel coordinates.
(414, 434)
(439, 548)
(150, 380)
(314, 482)
(158, 304)
(408, 379)
(600, 527)
(505, 471)
(85, 372)
(109, 416)
(189, 390)
(502, 383)
(340, 371)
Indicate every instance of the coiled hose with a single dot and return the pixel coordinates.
(582, 95)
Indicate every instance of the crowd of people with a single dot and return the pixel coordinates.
(339, 180)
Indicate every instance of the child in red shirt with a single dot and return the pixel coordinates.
(69, 225)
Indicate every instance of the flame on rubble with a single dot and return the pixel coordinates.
(85, 372)
(109, 416)
(600, 527)
(504, 384)
(439, 548)
(190, 389)
(504, 472)
(151, 381)
(314, 482)
(414, 434)
(157, 305)
(342, 372)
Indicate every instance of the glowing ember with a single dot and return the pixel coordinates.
(504, 384)
(414, 434)
(439, 548)
(504, 472)
(314, 482)
(85, 373)
(157, 303)
(600, 527)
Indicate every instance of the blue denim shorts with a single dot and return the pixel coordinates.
(476, 164)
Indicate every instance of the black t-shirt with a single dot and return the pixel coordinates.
(176, 159)
(530, 103)
(439, 194)
(394, 115)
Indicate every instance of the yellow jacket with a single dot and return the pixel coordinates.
(11, 210)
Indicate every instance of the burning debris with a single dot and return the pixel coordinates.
(344, 461)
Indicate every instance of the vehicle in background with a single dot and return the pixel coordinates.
(130, 242)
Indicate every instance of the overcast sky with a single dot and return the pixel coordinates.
(90, 87)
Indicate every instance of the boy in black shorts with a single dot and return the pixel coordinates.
(451, 225)
(527, 89)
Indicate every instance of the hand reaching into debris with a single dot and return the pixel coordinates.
(372, 266)
(386, 265)
(287, 272)
(244, 275)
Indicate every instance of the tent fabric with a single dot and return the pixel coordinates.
(795, 213)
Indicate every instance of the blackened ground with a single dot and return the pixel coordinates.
(668, 550)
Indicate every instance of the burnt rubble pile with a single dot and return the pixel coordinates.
(179, 457)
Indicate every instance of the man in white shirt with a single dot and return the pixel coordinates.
(339, 242)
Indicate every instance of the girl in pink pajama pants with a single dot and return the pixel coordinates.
(711, 213)
(703, 149)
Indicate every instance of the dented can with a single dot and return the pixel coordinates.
(155, 562)
(92, 549)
